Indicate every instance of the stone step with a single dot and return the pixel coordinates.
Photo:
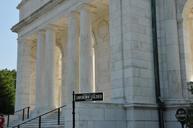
(49, 121)
(47, 126)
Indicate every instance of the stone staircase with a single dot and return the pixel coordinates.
(47, 121)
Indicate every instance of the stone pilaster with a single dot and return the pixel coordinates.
(131, 51)
(50, 63)
(118, 95)
(86, 55)
(172, 51)
(40, 72)
(72, 57)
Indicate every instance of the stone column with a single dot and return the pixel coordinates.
(64, 61)
(24, 70)
(86, 62)
(72, 59)
(50, 61)
(19, 73)
(40, 72)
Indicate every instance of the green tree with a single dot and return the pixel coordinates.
(7, 91)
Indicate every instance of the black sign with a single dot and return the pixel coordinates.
(89, 97)
(181, 115)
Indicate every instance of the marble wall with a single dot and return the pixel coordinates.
(115, 35)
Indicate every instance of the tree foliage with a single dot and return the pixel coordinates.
(7, 91)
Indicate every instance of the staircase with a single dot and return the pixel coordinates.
(18, 116)
(48, 120)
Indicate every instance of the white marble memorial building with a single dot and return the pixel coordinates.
(107, 46)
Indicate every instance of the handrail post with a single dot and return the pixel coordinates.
(39, 121)
(23, 116)
(28, 112)
(8, 121)
(73, 110)
(58, 116)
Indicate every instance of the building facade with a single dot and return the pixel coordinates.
(106, 46)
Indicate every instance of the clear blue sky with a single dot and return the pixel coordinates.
(9, 16)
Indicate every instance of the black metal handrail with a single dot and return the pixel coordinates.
(23, 114)
(21, 109)
(40, 118)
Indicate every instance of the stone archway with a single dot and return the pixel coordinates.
(58, 76)
(188, 38)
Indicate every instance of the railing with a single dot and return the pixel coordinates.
(40, 118)
(23, 110)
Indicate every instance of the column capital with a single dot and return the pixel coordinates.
(29, 39)
(50, 27)
(24, 40)
(41, 30)
(86, 6)
(73, 13)
(20, 39)
(72, 16)
(56, 28)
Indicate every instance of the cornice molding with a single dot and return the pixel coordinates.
(39, 12)
(21, 3)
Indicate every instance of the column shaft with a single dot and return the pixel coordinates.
(71, 63)
(24, 72)
(64, 70)
(40, 72)
(19, 74)
(50, 67)
(86, 62)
